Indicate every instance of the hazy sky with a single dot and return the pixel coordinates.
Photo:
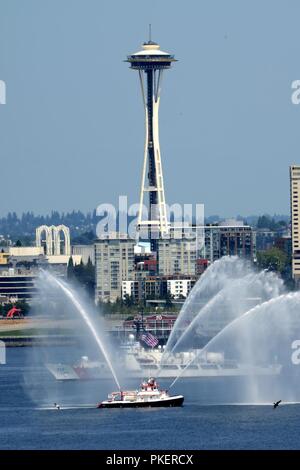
(72, 131)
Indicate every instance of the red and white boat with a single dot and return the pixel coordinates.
(148, 395)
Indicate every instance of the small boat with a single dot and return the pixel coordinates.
(148, 395)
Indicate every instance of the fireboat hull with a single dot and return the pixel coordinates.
(166, 402)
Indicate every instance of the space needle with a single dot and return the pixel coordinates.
(150, 63)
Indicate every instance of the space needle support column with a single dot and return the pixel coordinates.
(141, 212)
(160, 195)
(154, 215)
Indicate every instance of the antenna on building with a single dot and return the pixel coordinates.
(150, 32)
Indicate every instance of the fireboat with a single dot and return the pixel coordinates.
(148, 395)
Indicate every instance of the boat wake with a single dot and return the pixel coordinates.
(66, 407)
(268, 404)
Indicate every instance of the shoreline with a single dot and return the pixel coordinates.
(40, 340)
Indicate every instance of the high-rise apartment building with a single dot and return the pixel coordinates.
(232, 239)
(295, 210)
(114, 260)
(177, 256)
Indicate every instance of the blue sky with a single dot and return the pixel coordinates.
(72, 130)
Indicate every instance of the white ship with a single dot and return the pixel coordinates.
(84, 369)
(192, 364)
(137, 362)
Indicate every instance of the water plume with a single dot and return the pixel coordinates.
(216, 277)
(267, 335)
(229, 303)
(71, 295)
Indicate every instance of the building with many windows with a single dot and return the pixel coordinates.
(179, 288)
(17, 284)
(295, 210)
(177, 256)
(155, 287)
(211, 243)
(237, 240)
(229, 239)
(114, 261)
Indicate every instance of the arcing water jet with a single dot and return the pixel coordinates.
(72, 296)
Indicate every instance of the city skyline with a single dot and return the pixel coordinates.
(221, 138)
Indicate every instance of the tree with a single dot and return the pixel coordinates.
(128, 300)
(21, 304)
(18, 243)
(168, 298)
(266, 222)
(86, 238)
(85, 275)
(70, 269)
(273, 259)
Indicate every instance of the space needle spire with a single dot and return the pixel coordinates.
(150, 63)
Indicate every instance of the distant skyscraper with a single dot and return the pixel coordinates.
(295, 210)
(150, 63)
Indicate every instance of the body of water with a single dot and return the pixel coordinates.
(29, 420)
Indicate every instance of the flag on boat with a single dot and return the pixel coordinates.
(149, 339)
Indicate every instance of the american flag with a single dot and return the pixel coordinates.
(149, 339)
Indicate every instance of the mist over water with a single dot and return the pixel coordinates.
(228, 288)
(268, 334)
(264, 334)
(251, 322)
(87, 319)
(65, 311)
(229, 303)
(216, 276)
(242, 313)
(266, 342)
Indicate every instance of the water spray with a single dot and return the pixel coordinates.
(261, 310)
(86, 318)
